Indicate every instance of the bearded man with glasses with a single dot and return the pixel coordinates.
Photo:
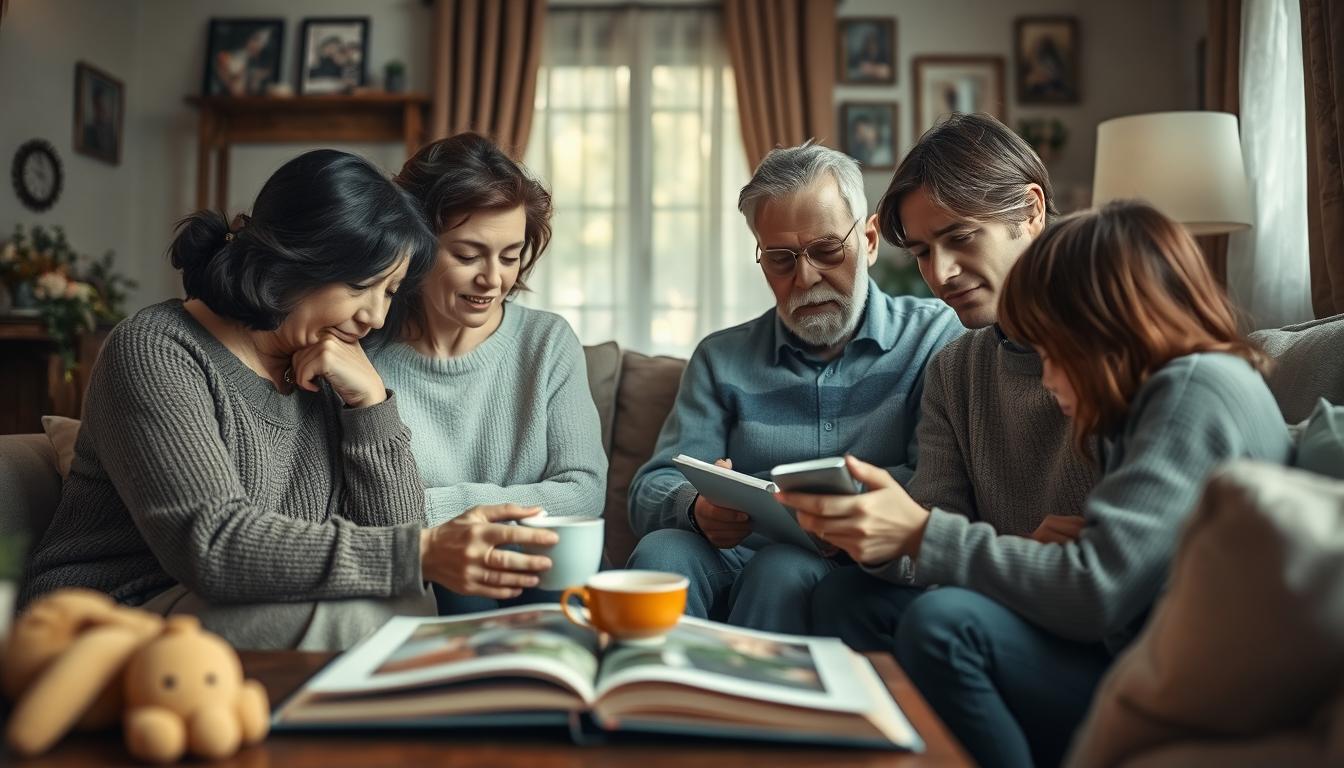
(835, 367)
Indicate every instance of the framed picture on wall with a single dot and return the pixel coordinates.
(1046, 49)
(243, 56)
(867, 51)
(870, 133)
(335, 55)
(100, 103)
(946, 84)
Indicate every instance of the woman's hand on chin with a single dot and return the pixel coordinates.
(345, 367)
(466, 555)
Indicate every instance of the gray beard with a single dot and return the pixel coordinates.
(829, 328)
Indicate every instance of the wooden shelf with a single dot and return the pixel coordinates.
(229, 120)
(32, 380)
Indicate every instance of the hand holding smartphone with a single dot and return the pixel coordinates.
(826, 476)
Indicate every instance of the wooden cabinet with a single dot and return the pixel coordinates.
(32, 379)
(229, 120)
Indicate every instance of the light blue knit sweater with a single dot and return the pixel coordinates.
(512, 421)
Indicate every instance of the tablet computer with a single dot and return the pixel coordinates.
(748, 494)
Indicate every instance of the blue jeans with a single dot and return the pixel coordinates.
(1012, 693)
(767, 589)
(452, 604)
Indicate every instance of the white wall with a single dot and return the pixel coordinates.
(40, 42)
(157, 48)
(1134, 59)
(170, 67)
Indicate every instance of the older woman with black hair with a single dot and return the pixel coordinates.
(240, 458)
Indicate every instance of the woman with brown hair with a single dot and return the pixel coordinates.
(495, 394)
(1140, 348)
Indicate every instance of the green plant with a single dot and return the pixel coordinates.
(73, 292)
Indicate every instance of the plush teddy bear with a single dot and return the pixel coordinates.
(62, 664)
(77, 659)
(185, 692)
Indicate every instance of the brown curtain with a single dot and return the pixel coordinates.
(485, 57)
(783, 55)
(1222, 93)
(1323, 59)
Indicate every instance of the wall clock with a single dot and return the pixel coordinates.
(37, 175)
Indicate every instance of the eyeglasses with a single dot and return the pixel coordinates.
(823, 254)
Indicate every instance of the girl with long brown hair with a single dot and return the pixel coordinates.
(1140, 348)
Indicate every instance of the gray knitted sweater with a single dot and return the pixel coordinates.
(993, 444)
(1195, 413)
(189, 468)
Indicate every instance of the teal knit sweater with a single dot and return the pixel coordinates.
(512, 421)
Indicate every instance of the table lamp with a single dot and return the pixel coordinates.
(1186, 164)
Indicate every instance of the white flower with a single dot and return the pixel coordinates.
(50, 285)
(9, 254)
(81, 291)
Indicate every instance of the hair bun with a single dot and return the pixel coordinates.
(200, 237)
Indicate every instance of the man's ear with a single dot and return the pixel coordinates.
(1036, 220)
(871, 238)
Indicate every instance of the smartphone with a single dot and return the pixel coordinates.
(829, 476)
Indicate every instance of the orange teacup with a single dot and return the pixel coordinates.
(630, 605)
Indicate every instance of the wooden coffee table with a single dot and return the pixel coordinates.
(282, 672)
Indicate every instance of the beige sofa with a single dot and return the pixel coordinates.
(634, 393)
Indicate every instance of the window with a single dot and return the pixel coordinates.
(636, 134)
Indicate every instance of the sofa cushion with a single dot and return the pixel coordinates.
(29, 484)
(1308, 364)
(648, 388)
(604, 376)
(62, 431)
(1248, 640)
(1320, 448)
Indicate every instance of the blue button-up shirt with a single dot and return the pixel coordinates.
(752, 394)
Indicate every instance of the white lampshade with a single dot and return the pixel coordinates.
(1186, 164)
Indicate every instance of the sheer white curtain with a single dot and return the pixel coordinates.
(1268, 269)
(636, 134)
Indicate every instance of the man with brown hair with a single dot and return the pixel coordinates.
(994, 447)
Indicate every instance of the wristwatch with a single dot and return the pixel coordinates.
(690, 516)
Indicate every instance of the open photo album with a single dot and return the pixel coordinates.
(531, 666)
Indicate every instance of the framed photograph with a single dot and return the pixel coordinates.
(870, 134)
(1047, 60)
(946, 84)
(243, 56)
(100, 103)
(335, 55)
(867, 51)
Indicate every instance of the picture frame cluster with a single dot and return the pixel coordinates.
(1046, 70)
(244, 56)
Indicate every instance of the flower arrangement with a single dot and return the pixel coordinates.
(71, 292)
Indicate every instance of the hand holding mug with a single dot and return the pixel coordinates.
(466, 556)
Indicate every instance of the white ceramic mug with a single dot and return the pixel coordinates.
(577, 555)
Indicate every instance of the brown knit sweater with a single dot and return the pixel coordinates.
(189, 468)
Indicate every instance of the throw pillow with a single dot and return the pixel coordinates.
(604, 376)
(62, 433)
(1320, 449)
(648, 389)
(1248, 640)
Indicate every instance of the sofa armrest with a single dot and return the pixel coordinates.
(29, 484)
